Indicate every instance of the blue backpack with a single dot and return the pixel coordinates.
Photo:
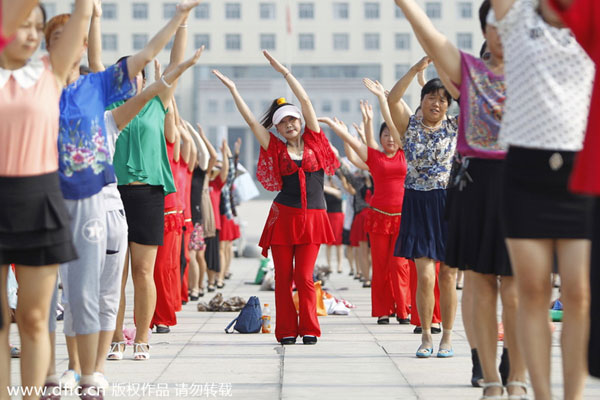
(250, 318)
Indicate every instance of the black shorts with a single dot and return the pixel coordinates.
(34, 222)
(145, 213)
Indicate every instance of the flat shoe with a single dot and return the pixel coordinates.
(288, 340)
(435, 330)
(162, 329)
(383, 320)
(445, 353)
(309, 339)
(403, 321)
(418, 330)
(210, 288)
(425, 352)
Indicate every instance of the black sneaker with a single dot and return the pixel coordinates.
(403, 321)
(309, 339)
(288, 340)
(418, 330)
(383, 320)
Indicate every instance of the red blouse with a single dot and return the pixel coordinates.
(276, 162)
(583, 17)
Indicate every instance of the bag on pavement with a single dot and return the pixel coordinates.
(249, 319)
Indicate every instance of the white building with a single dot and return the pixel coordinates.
(330, 44)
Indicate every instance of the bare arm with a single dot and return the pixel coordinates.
(126, 112)
(433, 42)
(341, 130)
(448, 83)
(136, 62)
(421, 78)
(353, 158)
(226, 152)
(14, 13)
(378, 90)
(186, 143)
(332, 191)
(211, 149)
(95, 40)
(203, 155)
(170, 134)
(367, 113)
(501, 7)
(260, 132)
(308, 112)
(66, 50)
(399, 110)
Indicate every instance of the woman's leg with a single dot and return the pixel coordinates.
(467, 305)
(448, 303)
(4, 333)
(201, 268)
(510, 307)
(338, 253)
(425, 298)
(118, 335)
(574, 268)
(305, 256)
(484, 323)
(532, 264)
(143, 258)
(328, 255)
(36, 285)
(363, 251)
(285, 311)
(223, 258)
(350, 257)
(193, 273)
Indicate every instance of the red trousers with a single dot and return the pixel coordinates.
(414, 315)
(185, 274)
(164, 313)
(176, 271)
(295, 263)
(390, 284)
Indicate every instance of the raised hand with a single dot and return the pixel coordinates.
(194, 59)
(157, 70)
(237, 146)
(226, 81)
(97, 8)
(187, 5)
(423, 63)
(374, 87)
(360, 129)
(367, 111)
(338, 127)
(279, 67)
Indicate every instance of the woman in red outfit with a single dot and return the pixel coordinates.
(297, 224)
(390, 283)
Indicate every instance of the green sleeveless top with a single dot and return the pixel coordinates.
(141, 149)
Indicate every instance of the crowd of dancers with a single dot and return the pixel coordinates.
(99, 172)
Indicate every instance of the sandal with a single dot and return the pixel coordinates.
(522, 385)
(220, 285)
(489, 385)
(141, 351)
(210, 287)
(201, 292)
(115, 353)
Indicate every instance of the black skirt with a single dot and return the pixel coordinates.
(34, 222)
(346, 237)
(594, 344)
(537, 201)
(475, 236)
(196, 195)
(145, 213)
(211, 254)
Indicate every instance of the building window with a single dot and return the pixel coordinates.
(202, 39)
(401, 70)
(267, 11)
(464, 41)
(50, 9)
(233, 11)
(371, 10)
(109, 42)
(341, 41)
(306, 41)
(345, 106)
(306, 10)
(371, 41)
(267, 41)
(203, 11)
(139, 40)
(140, 10)
(341, 10)
(326, 106)
(109, 10)
(433, 9)
(233, 41)
(465, 10)
(399, 13)
(402, 41)
(169, 10)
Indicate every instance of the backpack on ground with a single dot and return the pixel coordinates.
(249, 319)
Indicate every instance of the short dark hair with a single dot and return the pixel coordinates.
(434, 86)
(126, 57)
(381, 129)
(44, 14)
(484, 10)
(267, 118)
(483, 49)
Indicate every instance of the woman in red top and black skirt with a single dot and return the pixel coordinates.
(297, 224)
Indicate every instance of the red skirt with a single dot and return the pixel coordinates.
(336, 219)
(358, 232)
(229, 229)
(290, 225)
(376, 222)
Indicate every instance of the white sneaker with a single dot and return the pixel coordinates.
(70, 379)
(101, 381)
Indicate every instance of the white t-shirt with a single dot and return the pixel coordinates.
(549, 81)
(112, 197)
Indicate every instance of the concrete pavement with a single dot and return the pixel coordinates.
(354, 359)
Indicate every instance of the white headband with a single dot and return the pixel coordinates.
(285, 111)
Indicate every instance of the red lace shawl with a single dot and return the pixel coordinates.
(275, 162)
